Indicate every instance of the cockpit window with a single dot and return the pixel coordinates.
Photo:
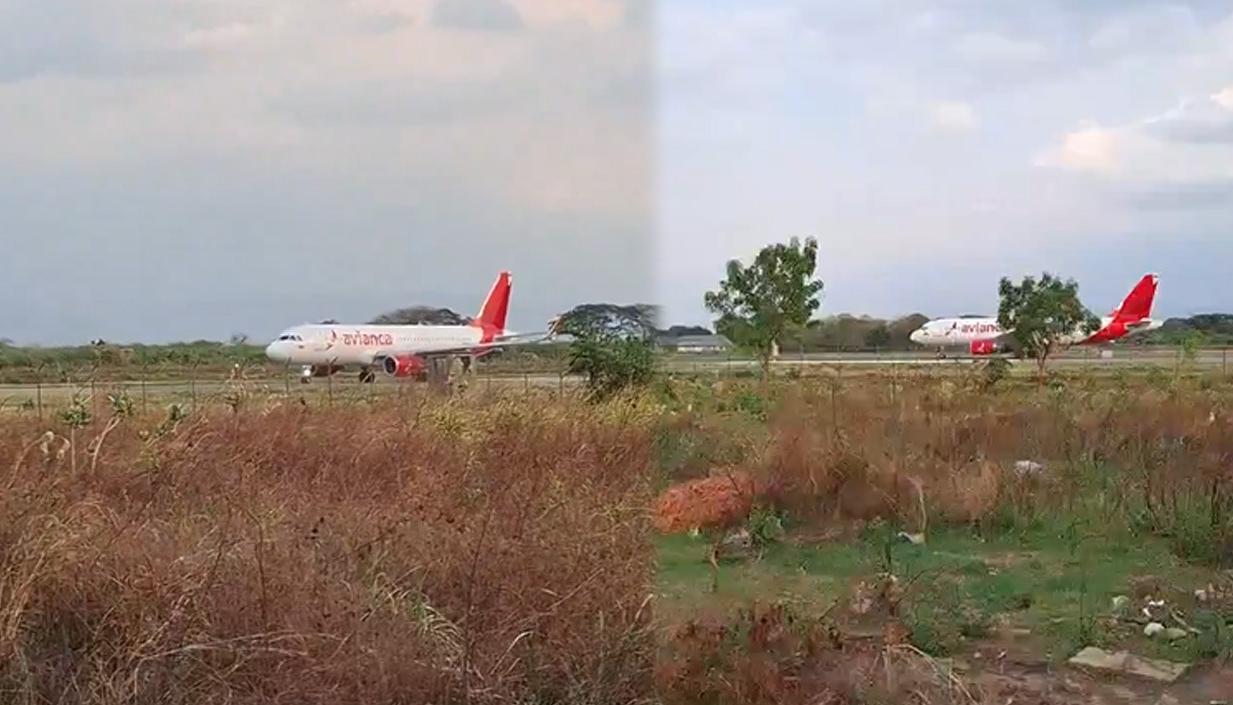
(290, 336)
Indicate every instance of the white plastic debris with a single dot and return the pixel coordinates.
(916, 539)
(1023, 468)
(1153, 628)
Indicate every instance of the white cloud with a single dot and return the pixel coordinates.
(1089, 148)
(1189, 144)
(956, 116)
(1224, 98)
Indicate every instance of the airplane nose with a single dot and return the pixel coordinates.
(276, 352)
(916, 336)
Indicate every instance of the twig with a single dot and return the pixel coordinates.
(45, 438)
(98, 442)
(947, 675)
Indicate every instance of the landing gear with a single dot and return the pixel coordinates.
(367, 376)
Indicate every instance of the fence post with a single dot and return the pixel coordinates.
(38, 391)
(287, 378)
(192, 387)
(1224, 362)
(834, 404)
(145, 405)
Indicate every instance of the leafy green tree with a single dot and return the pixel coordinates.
(612, 363)
(633, 320)
(421, 315)
(1043, 315)
(1190, 345)
(901, 330)
(613, 345)
(679, 331)
(878, 337)
(777, 293)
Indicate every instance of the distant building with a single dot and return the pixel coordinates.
(699, 344)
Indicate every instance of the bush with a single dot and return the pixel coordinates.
(612, 364)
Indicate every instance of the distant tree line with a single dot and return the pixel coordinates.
(848, 332)
(840, 332)
(1212, 328)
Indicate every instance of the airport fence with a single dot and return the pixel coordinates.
(1209, 358)
(47, 391)
(50, 389)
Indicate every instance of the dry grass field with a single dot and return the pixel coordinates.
(877, 537)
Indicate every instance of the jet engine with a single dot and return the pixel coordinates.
(985, 347)
(404, 366)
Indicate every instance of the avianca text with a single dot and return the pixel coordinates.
(363, 339)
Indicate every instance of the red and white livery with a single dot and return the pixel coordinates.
(983, 336)
(398, 350)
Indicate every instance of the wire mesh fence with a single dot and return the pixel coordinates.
(46, 389)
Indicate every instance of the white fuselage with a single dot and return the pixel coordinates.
(362, 345)
(956, 332)
(962, 332)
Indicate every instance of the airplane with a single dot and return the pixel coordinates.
(982, 335)
(399, 350)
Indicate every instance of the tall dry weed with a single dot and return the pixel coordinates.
(450, 552)
(864, 452)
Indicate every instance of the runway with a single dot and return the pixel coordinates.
(1154, 357)
(154, 393)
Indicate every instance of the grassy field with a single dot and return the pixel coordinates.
(906, 536)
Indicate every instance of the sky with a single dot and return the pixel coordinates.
(933, 147)
(184, 169)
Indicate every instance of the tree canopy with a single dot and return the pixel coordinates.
(1043, 315)
(612, 346)
(610, 320)
(759, 303)
(421, 315)
(679, 331)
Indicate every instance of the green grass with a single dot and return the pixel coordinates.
(961, 587)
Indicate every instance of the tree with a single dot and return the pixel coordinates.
(758, 304)
(239, 338)
(421, 315)
(633, 320)
(901, 330)
(878, 337)
(1190, 345)
(1043, 315)
(612, 363)
(682, 331)
(612, 346)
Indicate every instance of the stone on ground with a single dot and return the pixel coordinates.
(1125, 662)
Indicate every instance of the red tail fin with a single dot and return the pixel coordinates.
(496, 306)
(1138, 303)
